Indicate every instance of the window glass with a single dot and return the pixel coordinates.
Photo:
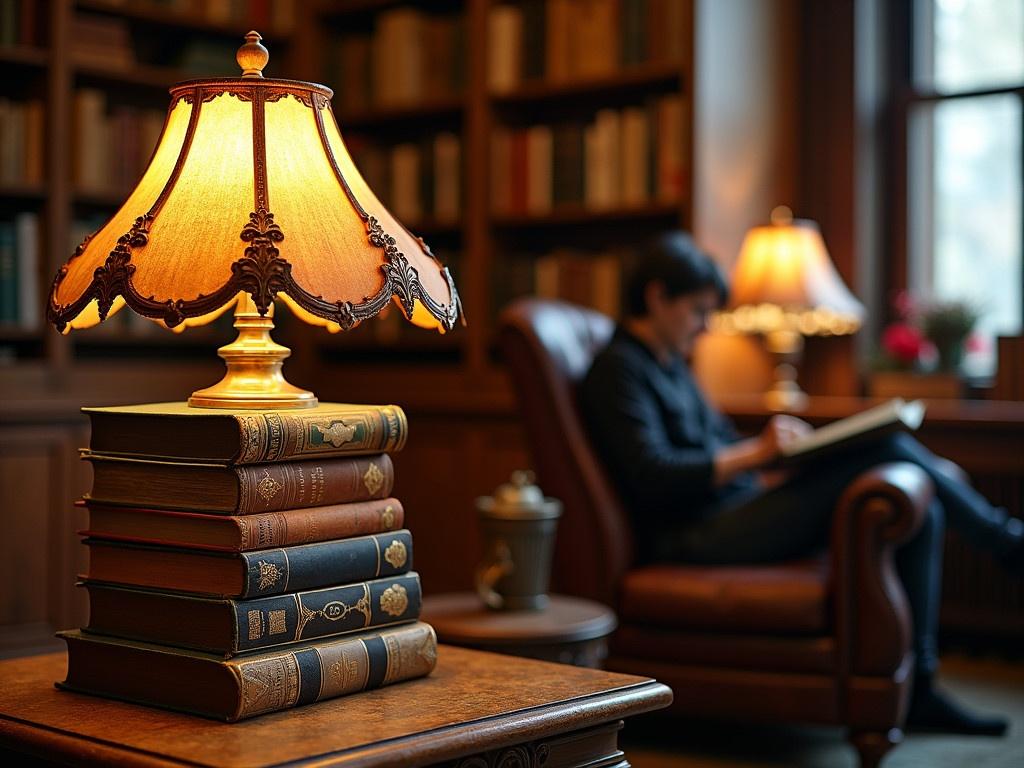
(965, 198)
(975, 44)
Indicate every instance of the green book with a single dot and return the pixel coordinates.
(178, 432)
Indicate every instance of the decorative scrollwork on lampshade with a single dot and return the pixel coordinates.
(251, 189)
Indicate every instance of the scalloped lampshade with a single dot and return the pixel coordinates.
(252, 196)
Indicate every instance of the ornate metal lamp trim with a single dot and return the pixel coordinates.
(261, 271)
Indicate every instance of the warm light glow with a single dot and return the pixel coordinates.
(201, 188)
(81, 269)
(785, 280)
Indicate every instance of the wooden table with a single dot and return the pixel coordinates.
(476, 709)
(569, 630)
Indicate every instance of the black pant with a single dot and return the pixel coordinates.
(794, 520)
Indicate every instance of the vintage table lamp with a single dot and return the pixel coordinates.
(251, 196)
(785, 287)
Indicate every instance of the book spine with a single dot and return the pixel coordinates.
(293, 569)
(283, 436)
(274, 487)
(270, 621)
(303, 526)
(305, 676)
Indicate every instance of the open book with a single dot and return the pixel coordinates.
(888, 417)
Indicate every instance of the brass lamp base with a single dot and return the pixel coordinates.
(785, 394)
(254, 378)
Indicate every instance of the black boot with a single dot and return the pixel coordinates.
(933, 711)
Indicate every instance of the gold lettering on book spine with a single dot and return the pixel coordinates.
(268, 685)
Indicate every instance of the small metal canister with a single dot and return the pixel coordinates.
(518, 524)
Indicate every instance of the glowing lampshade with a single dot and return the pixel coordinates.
(785, 286)
(252, 196)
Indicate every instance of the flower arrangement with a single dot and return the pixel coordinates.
(926, 336)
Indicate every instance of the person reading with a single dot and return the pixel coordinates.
(697, 492)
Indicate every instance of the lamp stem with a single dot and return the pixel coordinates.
(786, 347)
(254, 378)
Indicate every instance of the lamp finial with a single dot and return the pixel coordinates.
(782, 216)
(253, 56)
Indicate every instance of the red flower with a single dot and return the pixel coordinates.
(903, 342)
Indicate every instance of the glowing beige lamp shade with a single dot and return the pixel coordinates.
(785, 287)
(251, 196)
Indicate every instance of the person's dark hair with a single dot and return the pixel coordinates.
(675, 261)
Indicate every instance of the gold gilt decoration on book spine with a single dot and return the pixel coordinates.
(410, 654)
(336, 610)
(396, 554)
(373, 479)
(273, 487)
(387, 518)
(394, 600)
(272, 437)
(344, 668)
(268, 684)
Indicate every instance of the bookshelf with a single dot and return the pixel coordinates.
(452, 385)
(444, 119)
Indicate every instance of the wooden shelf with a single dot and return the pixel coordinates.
(192, 22)
(357, 7)
(435, 110)
(16, 333)
(142, 75)
(440, 228)
(23, 192)
(24, 56)
(641, 80)
(578, 214)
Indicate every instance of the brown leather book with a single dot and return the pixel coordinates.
(232, 533)
(251, 574)
(230, 627)
(243, 490)
(176, 431)
(245, 686)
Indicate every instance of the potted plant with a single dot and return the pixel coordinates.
(921, 350)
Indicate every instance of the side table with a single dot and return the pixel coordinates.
(476, 709)
(570, 630)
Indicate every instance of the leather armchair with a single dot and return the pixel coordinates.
(824, 640)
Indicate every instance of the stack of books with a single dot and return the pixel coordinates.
(244, 562)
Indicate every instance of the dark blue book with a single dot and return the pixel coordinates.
(230, 627)
(250, 574)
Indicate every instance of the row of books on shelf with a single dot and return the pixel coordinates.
(110, 43)
(21, 142)
(19, 272)
(260, 14)
(112, 144)
(258, 554)
(590, 279)
(19, 22)
(410, 57)
(565, 40)
(414, 181)
(623, 158)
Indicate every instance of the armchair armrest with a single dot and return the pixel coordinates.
(881, 509)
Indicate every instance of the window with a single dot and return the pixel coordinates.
(965, 172)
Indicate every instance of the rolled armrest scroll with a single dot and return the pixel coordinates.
(882, 508)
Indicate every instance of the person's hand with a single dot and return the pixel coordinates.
(779, 432)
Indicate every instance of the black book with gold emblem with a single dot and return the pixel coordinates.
(230, 627)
